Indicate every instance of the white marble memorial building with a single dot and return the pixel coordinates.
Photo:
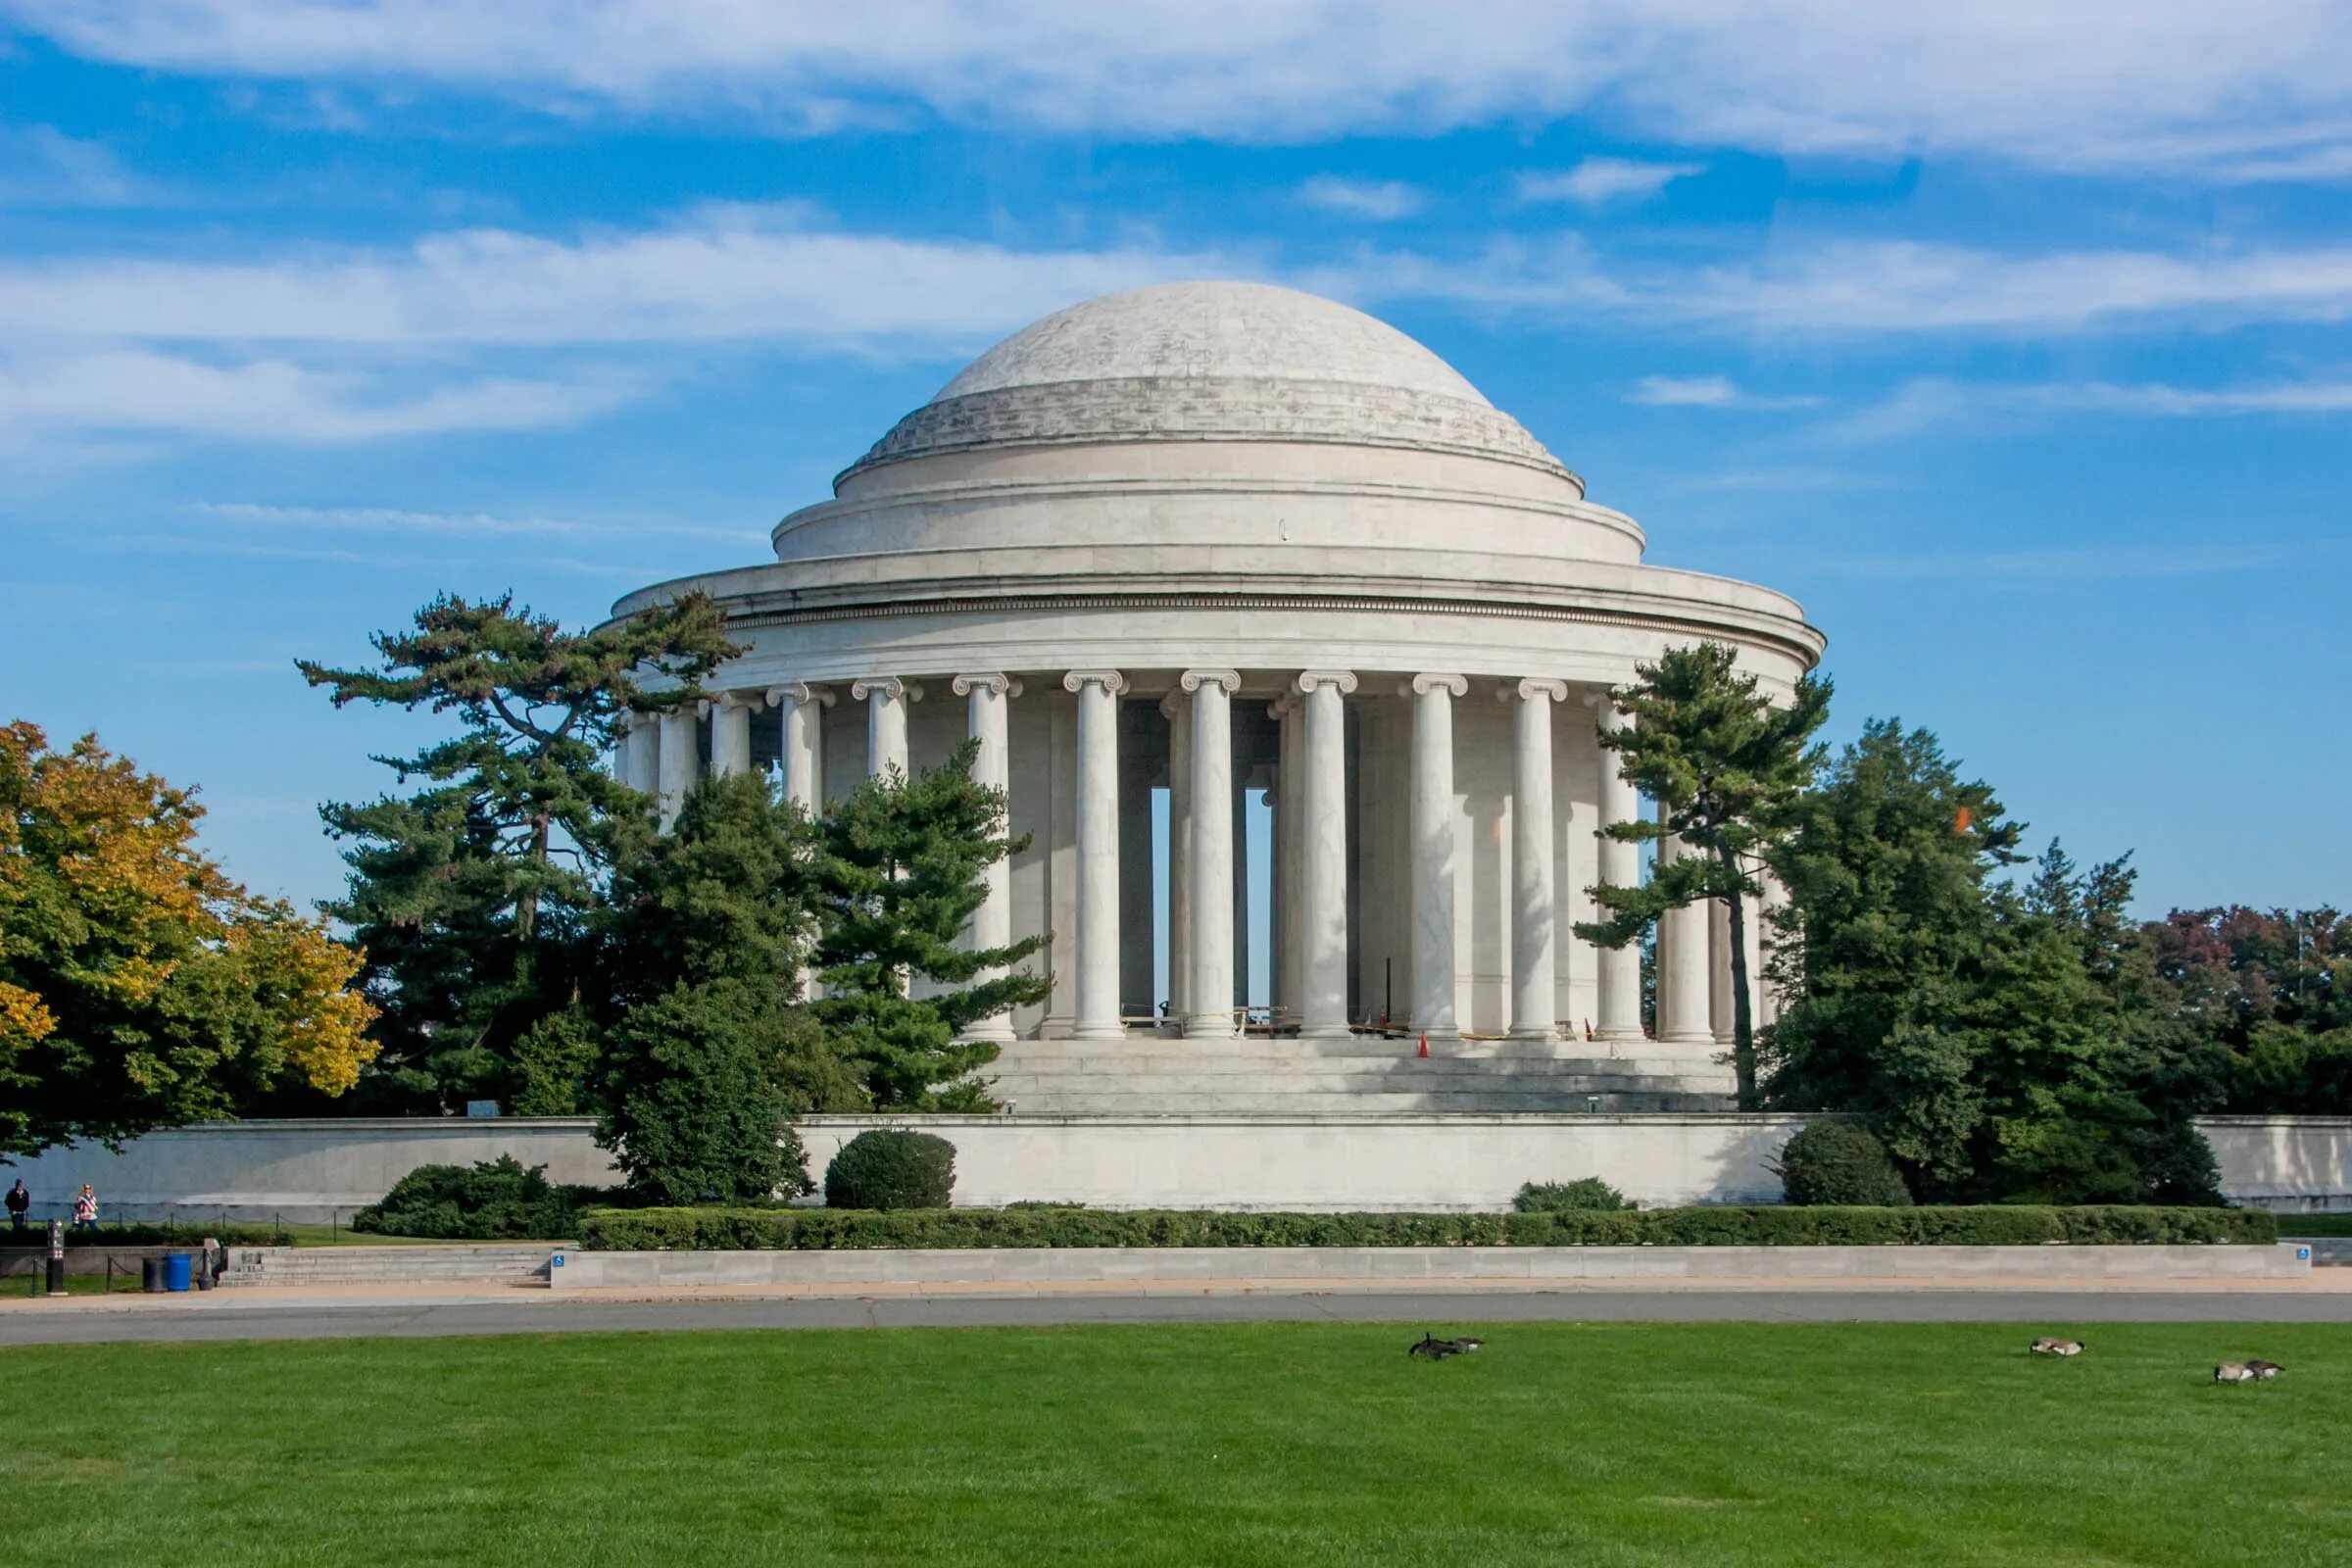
(1244, 545)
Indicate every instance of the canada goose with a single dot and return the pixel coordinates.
(1433, 1348)
(2265, 1370)
(2234, 1372)
(2046, 1345)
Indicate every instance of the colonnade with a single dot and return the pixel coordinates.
(662, 757)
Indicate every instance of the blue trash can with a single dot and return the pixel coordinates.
(176, 1270)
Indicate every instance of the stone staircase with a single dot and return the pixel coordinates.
(1160, 1076)
(385, 1265)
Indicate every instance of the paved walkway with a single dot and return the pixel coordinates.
(414, 1311)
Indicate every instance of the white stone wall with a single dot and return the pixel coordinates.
(302, 1170)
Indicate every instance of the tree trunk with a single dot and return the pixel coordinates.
(1744, 1021)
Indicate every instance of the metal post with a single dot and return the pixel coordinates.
(57, 1257)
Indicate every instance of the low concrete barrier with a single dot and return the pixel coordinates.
(1309, 1267)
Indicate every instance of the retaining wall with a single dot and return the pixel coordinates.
(308, 1170)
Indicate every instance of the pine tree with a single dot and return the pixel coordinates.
(899, 878)
(1724, 764)
(473, 893)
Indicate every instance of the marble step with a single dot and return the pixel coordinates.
(1211, 1063)
(1352, 1102)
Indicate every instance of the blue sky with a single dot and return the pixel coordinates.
(2011, 339)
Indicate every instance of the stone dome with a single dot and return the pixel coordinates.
(1208, 362)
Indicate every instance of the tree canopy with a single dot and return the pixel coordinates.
(140, 986)
(898, 876)
(1724, 764)
(473, 894)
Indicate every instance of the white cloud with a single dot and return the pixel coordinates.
(1706, 392)
(1601, 179)
(2238, 91)
(1380, 201)
(41, 166)
(130, 390)
(399, 519)
(1928, 403)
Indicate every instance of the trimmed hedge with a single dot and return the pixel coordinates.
(495, 1201)
(842, 1230)
(1588, 1193)
(892, 1167)
(134, 1232)
(1837, 1164)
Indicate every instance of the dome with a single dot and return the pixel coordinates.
(1208, 362)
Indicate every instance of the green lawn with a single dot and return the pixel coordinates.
(1277, 1445)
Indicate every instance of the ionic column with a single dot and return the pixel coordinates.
(1096, 1015)
(1535, 924)
(1753, 940)
(1321, 930)
(1177, 708)
(1683, 992)
(1209, 1013)
(1619, 968)
(992, 923)
(1719, 970)
(802, 765)
(1433, 941)
(640, 758)
(679, 763)
(731, 732)
(1768, 946)
(886, 698)
(1290, 853)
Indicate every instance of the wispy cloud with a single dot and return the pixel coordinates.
(472, 524)
(2213, 91)
(2066, 567)
(1708, 392)
(1784, 480)
(1603, 179)
(1927, 403)
(43, 167)
(1380, 201)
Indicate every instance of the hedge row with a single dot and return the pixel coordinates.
(233, 1233)
(818, 1230)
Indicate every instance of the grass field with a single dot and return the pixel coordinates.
(1620, 1444)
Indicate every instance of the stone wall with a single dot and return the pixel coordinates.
(306, 1170)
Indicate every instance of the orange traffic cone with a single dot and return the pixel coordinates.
(1425, 1043)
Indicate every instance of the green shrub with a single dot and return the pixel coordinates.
(1841, 1164)
(496, 1201)
(1589, 1195)
(891, 1168)
(134, 1232)
(841, 1229)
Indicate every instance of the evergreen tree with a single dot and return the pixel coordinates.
(473, 893)
(1889, 935)
(899, 877)
(1724, 764)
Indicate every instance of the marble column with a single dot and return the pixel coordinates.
(801, 758)
(986, 696)
(731, 732)
(1290, 717)
(681, 761)
(1177, 708)
(1321, 926)
(1751, 914)
(1097, 1014)
(1684, 994)
(1775, 898)
(1620, 968)
(886, 698)
(1434, 950)
(1719, 970)
(1535, 904)
(640, 761)
(1211, 1016)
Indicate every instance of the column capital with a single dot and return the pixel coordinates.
(730, 701)
(1282, 706)
(1309, 680)
(1111, 680)
(1530, 690)
(998, 685)
(799, 691)
(1423, 684)
(1226, 680)
(1171, 705)
(893, 687)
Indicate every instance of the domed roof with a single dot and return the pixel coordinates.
(1208, 362)
(1193, 330)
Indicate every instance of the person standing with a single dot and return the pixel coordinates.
(85, 1208)
(20, 1204)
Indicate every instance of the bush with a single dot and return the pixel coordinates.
(693, 1107)
(838, 1230)
(1589, 1195)
(135, 1233)
(891, 1168)
(496, 1201)
(1841, 1163)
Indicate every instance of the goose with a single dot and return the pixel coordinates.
(2234, 1372)
(2046, 1345)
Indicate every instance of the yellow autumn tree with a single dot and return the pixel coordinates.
(140, 986)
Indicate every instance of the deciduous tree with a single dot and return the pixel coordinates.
(140, 986)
